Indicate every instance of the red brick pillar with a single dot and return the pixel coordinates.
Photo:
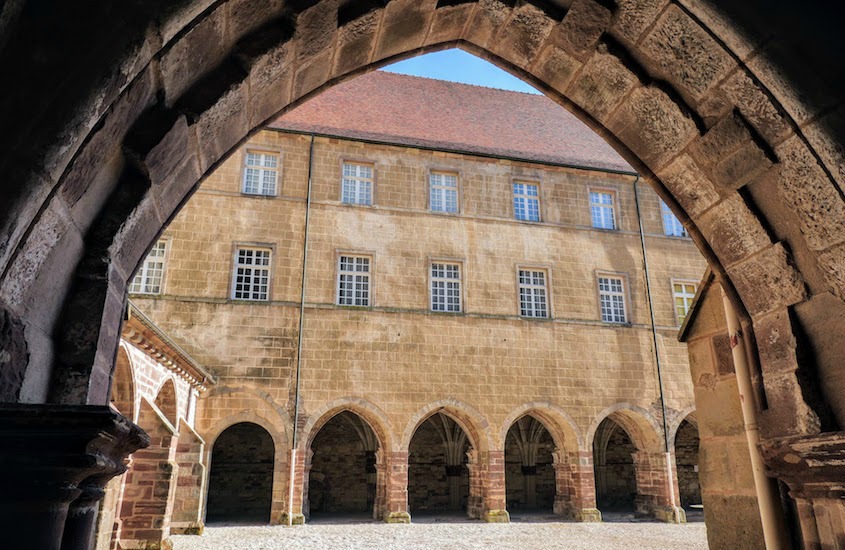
(575, 488)
(396, 487)
(654, 486)
(494, 507)
(147, 504)
(187, 502)
(477, 474)
(297, 487)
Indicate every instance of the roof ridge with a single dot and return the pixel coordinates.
(529, 94)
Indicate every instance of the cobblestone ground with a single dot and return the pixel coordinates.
(457, 536)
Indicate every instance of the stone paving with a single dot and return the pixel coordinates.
(461, 535)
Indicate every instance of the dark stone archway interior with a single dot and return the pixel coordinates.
(241, 476)
(438, 480)
(616, 481)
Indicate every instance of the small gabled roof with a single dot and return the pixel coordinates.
(703, 287)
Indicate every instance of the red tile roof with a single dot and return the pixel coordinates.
(422, 112)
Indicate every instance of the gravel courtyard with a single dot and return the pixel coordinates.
(458, 536)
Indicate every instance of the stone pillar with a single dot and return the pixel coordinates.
(297, 488)
(494, 489)
(147, 503)
(396, 487)
(475, 500)
(575, 490)
(812, 468)
(380, 498)
(187, 505)
(56, 459)
(653, 486)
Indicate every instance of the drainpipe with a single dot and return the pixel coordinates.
(768, 498)
(293, 452)
(667, 445)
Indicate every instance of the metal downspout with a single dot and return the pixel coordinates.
(667, 444)
(299, 337)
(768, 498)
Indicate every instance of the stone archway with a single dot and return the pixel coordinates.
(240, 481)
(529, 467)
(726, 136)
(687, 464)
(438, 472)
(342, 477)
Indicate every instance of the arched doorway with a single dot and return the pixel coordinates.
(241, 478)
(342, 477)
(438, 478)
(686, 461)
(529, 471)
(616, 480)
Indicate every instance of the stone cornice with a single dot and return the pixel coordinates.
(152, 341)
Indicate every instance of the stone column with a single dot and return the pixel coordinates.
(296, 487)
(147, 503)
(380, 475)
(494, 489)
(187, 506)
(812, 468)
(56, 459)
(396, 487)
(575, 490)
(653, 496)
(475, 500)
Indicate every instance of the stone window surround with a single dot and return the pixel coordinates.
(459, 189)
(261, 147)
(237, 245)
(359, 254)
(461, 263)
(672, 282)
(358, 160)
(528, 180)
(626, 291)
(614, 193)
(547, 269)
(168, 240)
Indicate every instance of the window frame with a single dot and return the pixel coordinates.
(547, 271)
(165, 259)
(513, 194)
(262, 149)
(458, 197)
(614, 205)
(664, 210)
(373, 182)
(672, 282)
(626, 296)
(371, 274)
(461, 290)
(236, 247)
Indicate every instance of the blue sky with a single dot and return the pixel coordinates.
(459, 66)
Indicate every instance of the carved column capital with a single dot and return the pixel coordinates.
(812, 466)
(55, 455)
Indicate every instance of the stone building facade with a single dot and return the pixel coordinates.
(471, 326)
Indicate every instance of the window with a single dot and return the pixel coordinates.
(526, 202)
(671, 224)
(445, 287)
(261, 173)
(612, 298)
(443, 193)
(353, 286)
(357, 185)
(252, 274)
(683, 292)
(532, 293)
(601, 209)
(148, 278)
